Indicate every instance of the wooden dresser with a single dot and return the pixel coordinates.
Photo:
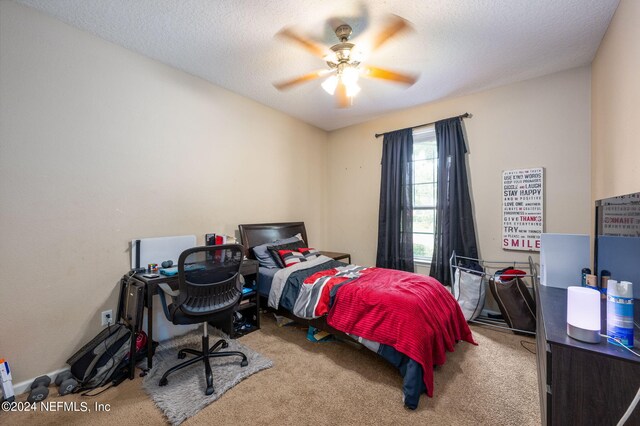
(581, 383)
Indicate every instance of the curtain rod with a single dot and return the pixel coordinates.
(465, 115)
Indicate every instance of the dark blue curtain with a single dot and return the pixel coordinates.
(455, 229)
(395, 224)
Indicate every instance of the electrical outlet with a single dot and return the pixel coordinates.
(107, 317)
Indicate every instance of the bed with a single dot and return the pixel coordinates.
(408, 319)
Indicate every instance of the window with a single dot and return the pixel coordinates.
(425, 176)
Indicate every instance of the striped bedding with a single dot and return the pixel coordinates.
(413, 317)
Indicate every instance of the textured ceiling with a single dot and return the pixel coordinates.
(457, 46)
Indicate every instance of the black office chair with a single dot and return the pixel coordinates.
(210, 289)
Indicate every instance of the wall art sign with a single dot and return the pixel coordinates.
(621, 216)
(522, 209)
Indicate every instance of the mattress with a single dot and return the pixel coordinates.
(265, 278)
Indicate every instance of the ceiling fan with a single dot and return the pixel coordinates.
(344, 61)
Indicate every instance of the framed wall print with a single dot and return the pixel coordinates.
(522, 209)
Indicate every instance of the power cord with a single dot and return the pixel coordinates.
(633, 404)
(619, 341)
(522, 342)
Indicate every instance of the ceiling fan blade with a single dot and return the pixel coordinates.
(341, 95)
(309, 45)
(384, 74)
(392, 27)
(287, 84)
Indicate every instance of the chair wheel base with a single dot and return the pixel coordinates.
(244, 363)
(209, 391)
(182, 355)
(163, 382)
(225, 345)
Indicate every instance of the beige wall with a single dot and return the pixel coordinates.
(99, 145)
(537, 123)
(615, 89)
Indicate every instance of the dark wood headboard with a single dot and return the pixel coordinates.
(252, 235)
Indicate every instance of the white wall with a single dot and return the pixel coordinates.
(98, 146)
(616, 92)
(537, 123)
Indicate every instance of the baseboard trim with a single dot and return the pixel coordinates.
(24, 386)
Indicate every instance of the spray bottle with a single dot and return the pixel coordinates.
(620, 312)
(5, 378)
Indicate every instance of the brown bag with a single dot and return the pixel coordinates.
(515, 302)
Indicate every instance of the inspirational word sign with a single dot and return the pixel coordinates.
(522, 209)
(621, 216)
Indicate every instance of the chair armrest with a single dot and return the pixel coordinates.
(166, 289)
(165, 306)
(240, 282)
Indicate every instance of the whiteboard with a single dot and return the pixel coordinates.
(562, 258)
(157, 250)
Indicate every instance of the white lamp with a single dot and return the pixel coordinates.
(583, 314)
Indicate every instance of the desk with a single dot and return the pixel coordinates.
(580, 383)
(249, 268)
(337, 256)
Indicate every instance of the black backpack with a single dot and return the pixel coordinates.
(103, 359)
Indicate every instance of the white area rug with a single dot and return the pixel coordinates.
(184, 395)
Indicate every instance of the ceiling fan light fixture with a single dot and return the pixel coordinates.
(357, 55)
(352, 89)
(350, 76)
(329, 85)
(331, 59)
(344, 61)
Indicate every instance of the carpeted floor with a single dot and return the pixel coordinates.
(339, 383)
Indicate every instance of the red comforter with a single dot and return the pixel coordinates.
(412, 313)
